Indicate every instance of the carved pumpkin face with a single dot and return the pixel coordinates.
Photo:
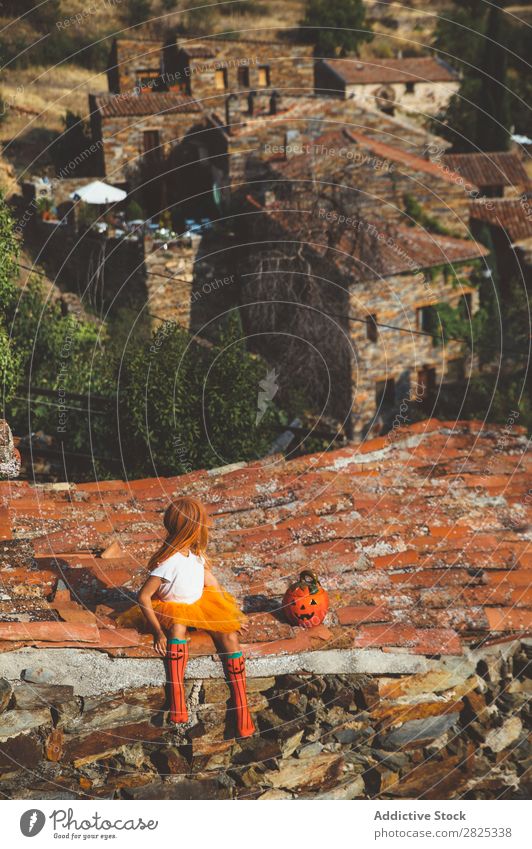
(306, 602)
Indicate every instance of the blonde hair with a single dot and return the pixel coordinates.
(187, 525)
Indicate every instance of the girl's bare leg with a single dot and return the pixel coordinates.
(177, 655)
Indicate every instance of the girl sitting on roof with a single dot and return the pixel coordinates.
(181, 592)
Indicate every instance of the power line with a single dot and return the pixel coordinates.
(355, 319)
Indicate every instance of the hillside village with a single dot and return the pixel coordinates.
(310, 217)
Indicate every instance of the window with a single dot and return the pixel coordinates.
(410, 86)
(243, 77)
(465, 305)
(372, 331)
(148, 79)
(220, 78)
(264, 75)
(385, 393)
(151, 141)
(427, 319)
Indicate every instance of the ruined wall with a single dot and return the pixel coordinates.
(287, 68)
(192, 282)
(456, 731)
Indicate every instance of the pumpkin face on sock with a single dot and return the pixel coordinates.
(306, 602)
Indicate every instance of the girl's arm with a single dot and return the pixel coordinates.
(210, 580)
(146, 593)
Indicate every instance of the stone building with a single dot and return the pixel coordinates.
(417, 84)
(327, 291)
(211, 67)
(366, 172)
(208, 68)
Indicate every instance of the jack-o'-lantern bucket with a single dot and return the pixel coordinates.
(306, 602)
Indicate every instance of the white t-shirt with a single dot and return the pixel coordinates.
(182, 578)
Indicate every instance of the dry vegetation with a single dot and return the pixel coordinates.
(36, 101)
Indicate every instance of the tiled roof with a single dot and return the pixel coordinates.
(420, 538)
(488, 169)
(147, 103)
(330, 112)
(342, 137)
(513, 215)
(381, 250)
(412, 69)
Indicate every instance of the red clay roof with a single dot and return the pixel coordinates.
(513, 215)
(148, 103)
(341, 137)
(364, 250)
(420, 538)
(411, 69)
(488, 169)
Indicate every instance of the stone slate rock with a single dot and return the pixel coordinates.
(92, 746)
(170, 761)
(318, 773)
(419, 731)
(32, 696)
(182, 790)
(22, 752)
(15, 722)
(38, 675)
(6, 691)
(353, 788)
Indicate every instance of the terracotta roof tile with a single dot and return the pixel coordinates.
(510, 214)
(401, 249)
(502, 168)
(414, 561)
(411, 69)
(131, 105)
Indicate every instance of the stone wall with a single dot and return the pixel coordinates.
(191, 282)
(458, 730)
(127, 56)
(122, 139)
(395, 300)
(269, 66)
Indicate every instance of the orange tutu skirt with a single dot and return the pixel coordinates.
(216, 610)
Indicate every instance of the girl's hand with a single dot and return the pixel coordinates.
(159, 643)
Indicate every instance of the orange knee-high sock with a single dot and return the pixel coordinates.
(236, 672)
(177, 654)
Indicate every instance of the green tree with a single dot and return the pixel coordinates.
(172, 405)
(137, 12)
(493, 113)
(491, 53)
(336, 28)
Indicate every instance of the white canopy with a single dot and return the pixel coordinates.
(98, 192)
